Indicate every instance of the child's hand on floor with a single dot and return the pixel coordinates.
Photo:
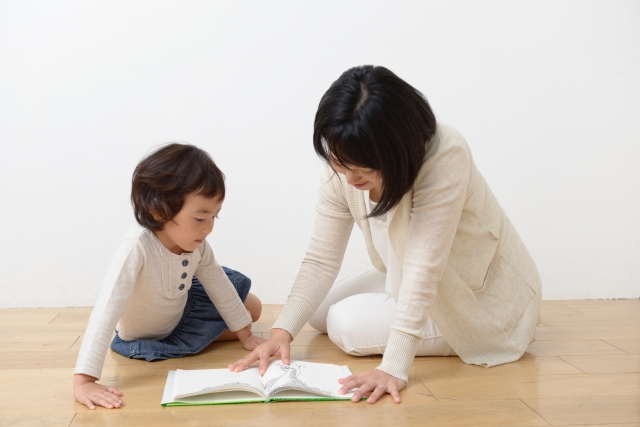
(252, 342)
(248, 340)
(89, 393)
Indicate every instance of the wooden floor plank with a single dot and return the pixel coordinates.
(37, 359)
(626, 307)
(588, 332)
(11, 317)
(266, 316)
(276, 313)
(593, 302)
(611, 364)
(308, 338)
(531, 386)
(42, 330)
(453, 367)
(78, 316)
(267, 319)
(36, 392)
(628, 345)
(587, 410)
(311, 414)
(583, 370)
(261, 326)
(608, 425)
(572, 348)
(36, 419)
(598, 319)
(27, 342)
(558, 310)
(326, 354)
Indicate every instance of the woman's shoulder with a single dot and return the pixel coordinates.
(446, 138)
(446, 152)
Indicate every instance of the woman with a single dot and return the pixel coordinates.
(451, 275)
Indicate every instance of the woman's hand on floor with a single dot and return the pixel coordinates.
(374, 381)
(89, 393)
(276, 345)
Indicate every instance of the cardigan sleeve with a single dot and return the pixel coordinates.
(440, 192)
(321, 264)
(117, 288)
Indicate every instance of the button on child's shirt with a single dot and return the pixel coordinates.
(184, 276)
(181, 287)
(185, 262)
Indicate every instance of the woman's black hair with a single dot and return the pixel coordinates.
(164, 178)
(371, 118)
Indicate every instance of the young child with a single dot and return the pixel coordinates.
(164, 288)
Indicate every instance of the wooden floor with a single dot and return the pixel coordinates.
(584, 369)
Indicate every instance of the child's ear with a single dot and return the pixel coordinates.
(155, 216)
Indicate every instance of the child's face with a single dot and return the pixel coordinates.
(188, 229)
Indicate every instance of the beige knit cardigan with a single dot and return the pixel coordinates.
(463, 263)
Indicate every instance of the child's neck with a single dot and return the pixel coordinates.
(168, 243)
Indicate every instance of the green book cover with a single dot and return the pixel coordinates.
(297, 381)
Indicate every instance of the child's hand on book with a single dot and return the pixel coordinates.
(89, 393)
(252, 342)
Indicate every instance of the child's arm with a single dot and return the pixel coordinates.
(248, 340)
(222, 293)
(118, 285)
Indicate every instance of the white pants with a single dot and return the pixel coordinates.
(357, 314)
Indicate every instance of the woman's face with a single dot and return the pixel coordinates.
(361, 178)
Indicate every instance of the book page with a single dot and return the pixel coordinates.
(206, 381)
(167, 395)
(319, 379)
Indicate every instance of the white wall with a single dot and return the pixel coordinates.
(547, 93)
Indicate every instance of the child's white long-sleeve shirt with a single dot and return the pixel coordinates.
(145, 292)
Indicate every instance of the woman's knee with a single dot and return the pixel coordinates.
(342, 331)
(360, 324)
(318, 323)
(341, 320)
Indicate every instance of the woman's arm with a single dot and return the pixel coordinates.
(319, 270)
(439, 197)
(321, 264)
(439, 194)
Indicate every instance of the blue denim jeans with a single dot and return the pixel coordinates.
(201, 323)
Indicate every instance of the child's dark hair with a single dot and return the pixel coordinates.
(164, 178)
(370, 117)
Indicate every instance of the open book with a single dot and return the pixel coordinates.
(297, 381)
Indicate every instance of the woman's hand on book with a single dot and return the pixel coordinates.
(89, 393)
(276, 345)
(374, 381)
